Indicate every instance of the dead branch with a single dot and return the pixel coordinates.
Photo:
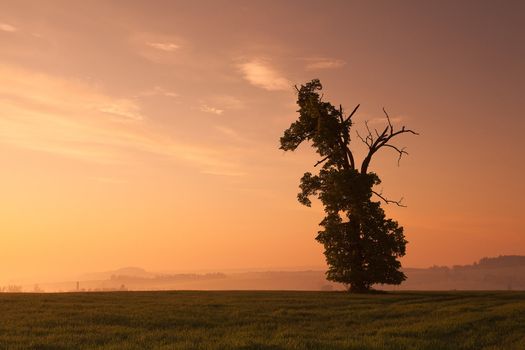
(322, 160)
(351, 114)
(388, 201)
(365, 141)
(388, 119)
(382, 140)
(400, 151)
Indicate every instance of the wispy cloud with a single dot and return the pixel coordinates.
(383, 120)
(227, 131)
(160, 48)
(164, 46)
(262, 75)
(8, 28)
(227, 102)
(159, 91)
(218, 104)
(72, 119)
(323, 63)
(122, 109)
(233, 135)
(208, 109)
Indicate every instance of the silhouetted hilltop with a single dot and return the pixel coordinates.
(502, 261)
(505, 272)
(124, 271)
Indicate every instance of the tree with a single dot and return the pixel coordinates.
(362, 246)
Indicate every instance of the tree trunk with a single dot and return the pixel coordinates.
(359, 284)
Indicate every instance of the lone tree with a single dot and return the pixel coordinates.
(362, 246)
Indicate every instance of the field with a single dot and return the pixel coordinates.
(263, 320)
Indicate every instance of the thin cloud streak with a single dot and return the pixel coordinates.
(123, 109)
(159, 91)
(231, 134)
(213, 110)
(8, 28)
(383, 120)
(227, 102)
(74, 120)
(262, 75)
(164, 46)
(324, 63)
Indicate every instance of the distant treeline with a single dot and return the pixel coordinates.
(11, 289)
(168, 278)
(500, 261)
(499, 273)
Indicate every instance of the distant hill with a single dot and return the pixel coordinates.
(506, 272)
(125, 271)
(502, 261)
(122, 279)
(489, 273)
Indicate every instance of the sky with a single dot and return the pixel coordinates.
(146, 133)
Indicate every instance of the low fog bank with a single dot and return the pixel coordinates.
(500, 273)
(269, 280)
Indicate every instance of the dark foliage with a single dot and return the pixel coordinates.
(362, 246)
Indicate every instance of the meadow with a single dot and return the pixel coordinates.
(263, 320)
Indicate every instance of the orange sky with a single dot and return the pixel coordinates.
(146, 133)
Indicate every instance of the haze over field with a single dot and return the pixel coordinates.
(138, 133)
(496, 273)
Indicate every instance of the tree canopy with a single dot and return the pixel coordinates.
(362, 246)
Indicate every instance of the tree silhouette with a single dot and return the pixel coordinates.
(362, 246)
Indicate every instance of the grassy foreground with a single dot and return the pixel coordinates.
(263, 320)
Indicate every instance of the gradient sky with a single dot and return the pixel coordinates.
(146, 133)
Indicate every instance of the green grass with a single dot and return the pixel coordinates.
(263, 320)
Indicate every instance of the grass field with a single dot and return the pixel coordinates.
(263, 320)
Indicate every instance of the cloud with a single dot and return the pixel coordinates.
(7, 28)
(72, 119)
(323, 63)
(227, 102)
(164, 46)
(227, 131)
(231, 134)
(219, 103)
(160, 48)
(262, 75)
(384, 121)
(159, 91)
(208, 109)
(164, 92)
(122, 109)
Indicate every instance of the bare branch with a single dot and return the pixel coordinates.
(362, 139)
(400, 151)
(351, 114)
(388, 118)
(382, 140)
(322, 160)
(410, 131)
(367, 128)
(388, 201)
